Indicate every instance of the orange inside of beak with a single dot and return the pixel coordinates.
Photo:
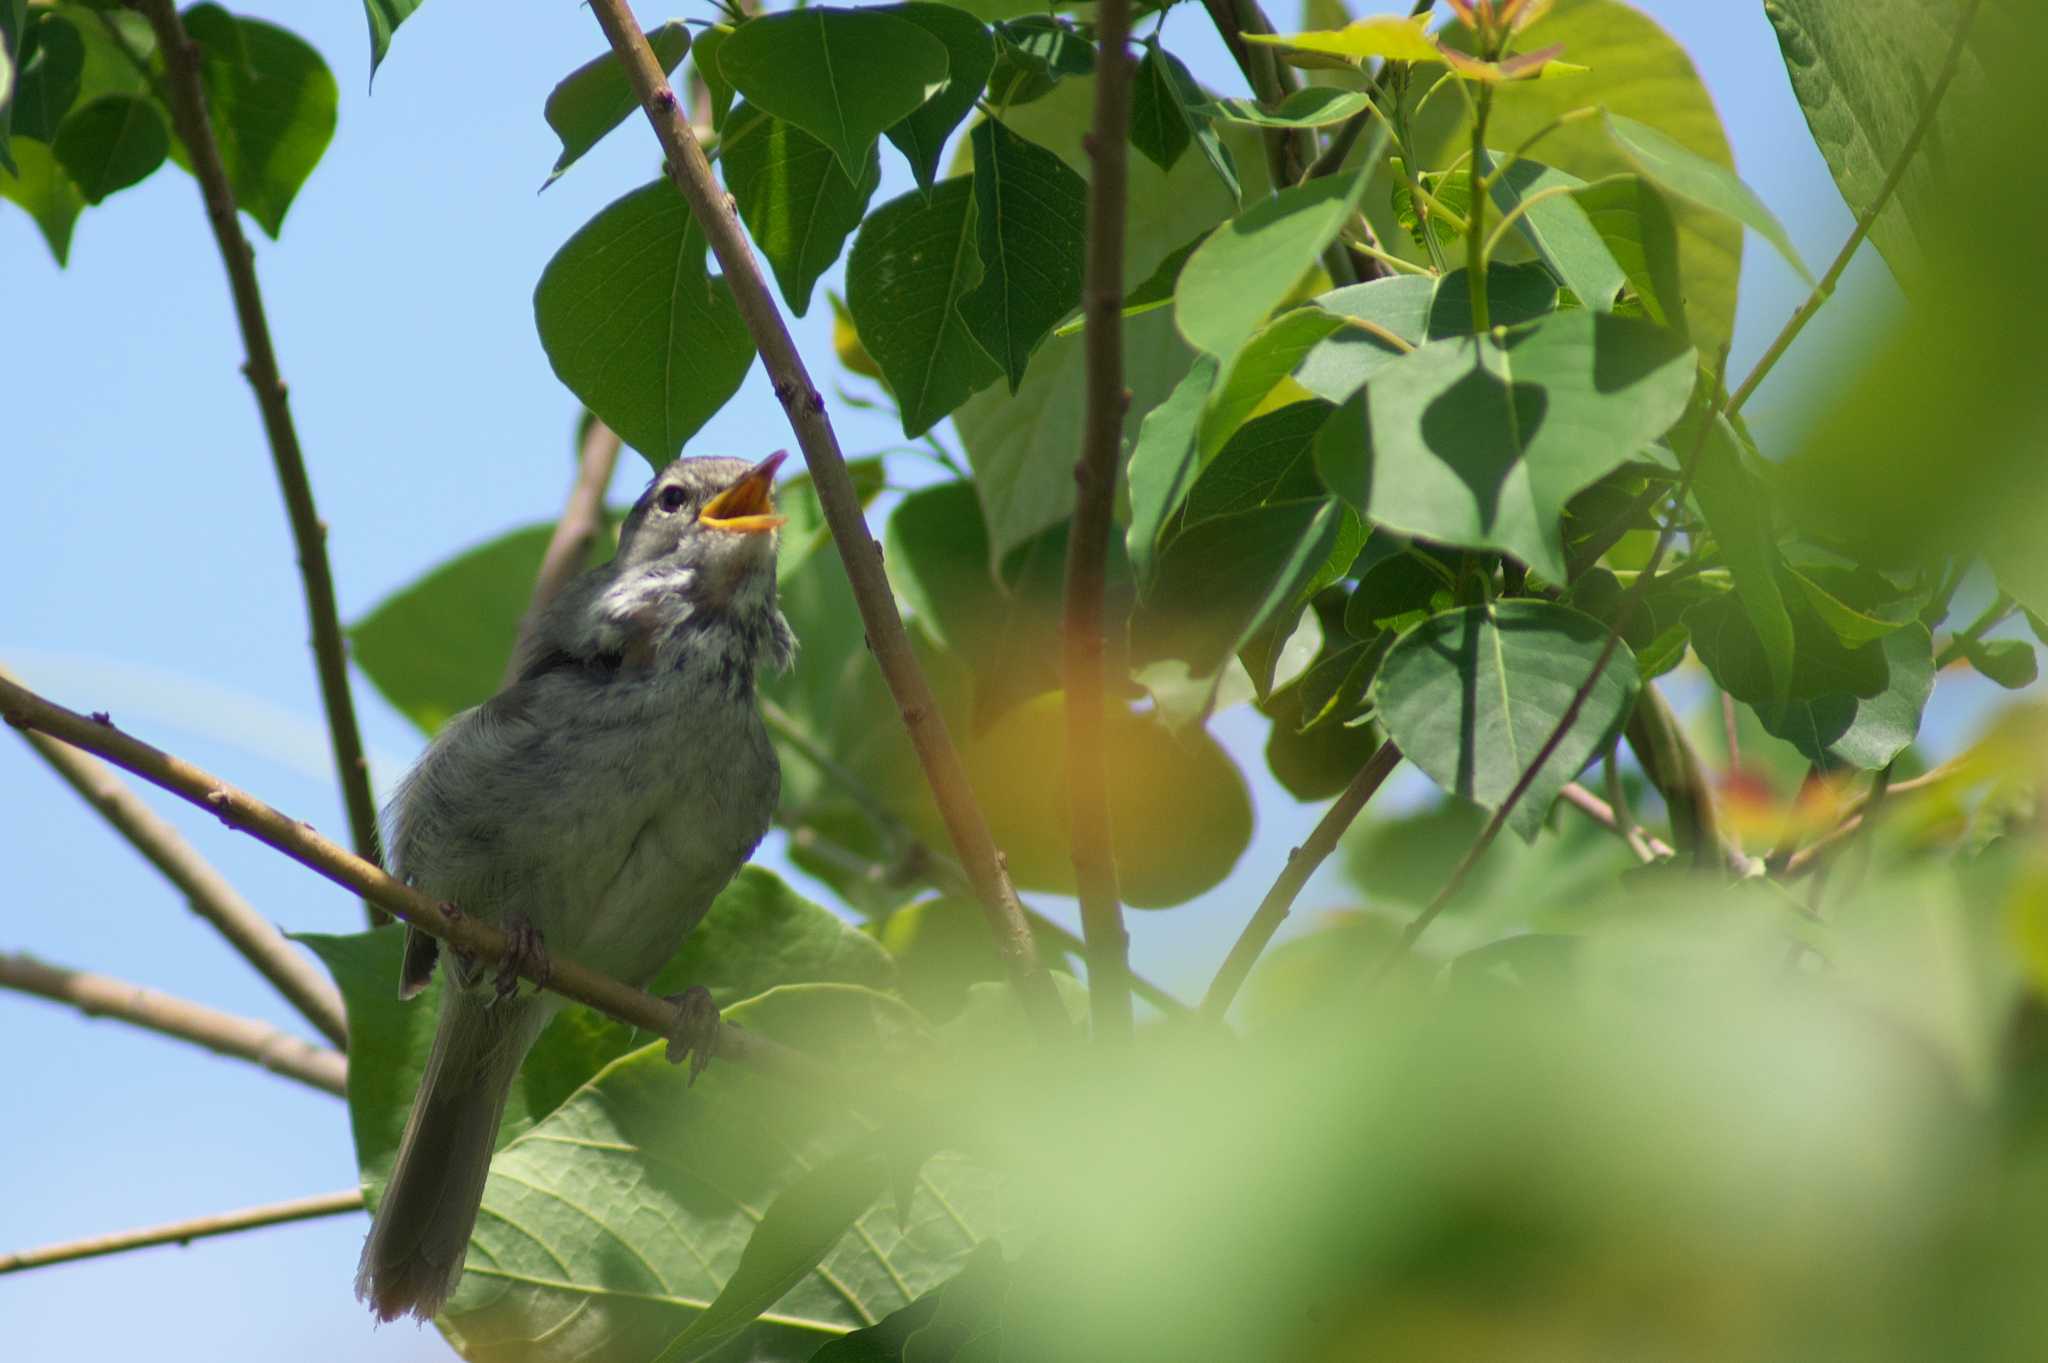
(748, 506)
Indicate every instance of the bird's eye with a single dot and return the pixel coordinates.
(673, 497)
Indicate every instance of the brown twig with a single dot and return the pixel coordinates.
(1287, 150)
(1093, 835)
(184, 1232)
(1301, 864)
(309, 533)
(581, 522)
(205, 889)
(221, 1033)
(1646, 848)
(238, 809)
(805, 407)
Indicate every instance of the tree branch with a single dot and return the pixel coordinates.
(184, 1232)
(1301, 864)
(1093, 834)
(1287, 150)
(238, 809)
(205, 889)
(221, 1033)
(805, 407)
(581, 522)
(309, 533)
(1647, 849)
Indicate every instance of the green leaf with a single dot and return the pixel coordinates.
(942, 947)
(385, 16)
(1397, 594)
(1386, 37)
(636, 329)
(1738, 508)
(1863, 731)
(1155, 292)
(704, 61)
(439, 646)
(1414, 309)
(1861, 75)
(1675, 167)
(795, 200)
(1480, 441)
(1163, 465)
(842, 75)
(1261, 367)
(1034, 53)
(1161, 126)
(1559, 230)
(2009, 662)
(48, 81)
(1314, 106)
(1635, 69)
(1874, 614)
(13, 29)
(1727, 643)
(760, 933)
(112, 143)
(1634, 220)
(912, 262)
(595, 98)
(943, 1324)
(1246, 269)
(45, 193)
(1472, 696)
(1030, 232)
(272, 101)
(1191, 98)
(970, 55)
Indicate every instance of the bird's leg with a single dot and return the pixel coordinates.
(695, 1037)
(526, 953)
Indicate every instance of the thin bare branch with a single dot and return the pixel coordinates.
(221, 1033)
(239, 809)
(581, 522)
(1301, 864)
(205, 889)
(309, 533)
(805, 407)
(1646, 848)
(1090, 820)
(184, 1232)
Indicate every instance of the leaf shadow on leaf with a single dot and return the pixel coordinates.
(1485, 466)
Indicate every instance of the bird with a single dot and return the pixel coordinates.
(593, 808)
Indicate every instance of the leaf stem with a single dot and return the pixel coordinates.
(309, 532)
(1302, 863)
(184, 1232)
(1563, 120)
(1475, 247)
(1868, 217)
(804, 405)
(1522, 207)
(222, 1033)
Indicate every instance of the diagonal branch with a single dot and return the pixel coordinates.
(184, 1232)
(221, 1033)
(205, 889)
(1301, 864)
(805, 407)
(24, 709)
(582, 521)
(309, 533)
(1092, 833)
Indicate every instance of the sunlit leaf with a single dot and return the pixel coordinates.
(595, 98)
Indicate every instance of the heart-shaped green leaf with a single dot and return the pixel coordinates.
(1030, 226)
(797, 203)
(1863, 731)
(1250, 264)
(595, 98)
(272, 101)
(112, 143)
(970, 53)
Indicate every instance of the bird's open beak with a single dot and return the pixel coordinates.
(748, 506)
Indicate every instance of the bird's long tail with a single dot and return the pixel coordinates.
(413, 1257)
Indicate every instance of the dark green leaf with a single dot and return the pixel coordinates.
(1160, 124)
(595, 98)
(1479, 442)
(1241, 273)
(1030, 227)
(1472, 696)
(842, 75)
(112, 143)
(970, 54)
(909, 267)
(1559, 230)
(1397, 594)
(1034, 52)
(704, 61)
(1208, 141)
(1163, 465)
(1220, 580)
(759, 934)
(634, 327)
(1684, 172)
(1258, 370)
(1739, 511)
(13, 56)
(1635, 222)
(1872, 616)
(796, 201)
(939, 1327)
(1727, 643)
(385, 17)
(45, 193)
(2009, 662)
(272, 101)
(1863, 731)
(942, 948)
(48, 81)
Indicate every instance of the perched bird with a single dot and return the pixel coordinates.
(593, 808)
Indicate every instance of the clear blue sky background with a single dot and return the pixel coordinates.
(149, 573)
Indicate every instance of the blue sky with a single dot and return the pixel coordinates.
(150, 574)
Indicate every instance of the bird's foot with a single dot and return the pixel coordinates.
(526, 953)
(695, 1035)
